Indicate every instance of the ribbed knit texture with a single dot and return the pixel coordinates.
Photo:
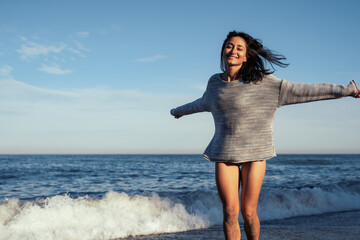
(244, 113)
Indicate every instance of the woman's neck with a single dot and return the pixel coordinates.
(230, 74)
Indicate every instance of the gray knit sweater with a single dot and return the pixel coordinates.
(244, 113)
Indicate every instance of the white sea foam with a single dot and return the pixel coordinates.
(120, 215)
(116, 215)
(285, 203)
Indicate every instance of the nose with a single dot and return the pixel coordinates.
(233, 51)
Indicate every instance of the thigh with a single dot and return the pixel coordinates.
(228, 182)
(252, 176)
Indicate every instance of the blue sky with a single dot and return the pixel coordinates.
(101, 76)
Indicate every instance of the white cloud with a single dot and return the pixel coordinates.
(58, 52)
(151, 59)
(100, 95)
(32, 50)
(76, 52)
(26, 98)
(11, 89)
(54, 70)
(79, 49)
(83, 34)
(5, 70)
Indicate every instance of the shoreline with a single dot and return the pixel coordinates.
(329, 226)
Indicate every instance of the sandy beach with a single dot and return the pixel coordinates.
(330, 226)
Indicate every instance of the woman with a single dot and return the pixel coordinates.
(243, 101)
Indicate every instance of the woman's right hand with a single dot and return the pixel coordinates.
(172, 113)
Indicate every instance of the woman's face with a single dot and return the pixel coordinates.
(235, 52)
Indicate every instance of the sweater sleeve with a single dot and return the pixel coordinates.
(292, 93)
(199, 105)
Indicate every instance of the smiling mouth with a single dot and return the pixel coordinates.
(232, 57)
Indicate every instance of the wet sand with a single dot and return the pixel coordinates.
(330, 226)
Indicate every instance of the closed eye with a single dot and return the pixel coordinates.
(229, 45)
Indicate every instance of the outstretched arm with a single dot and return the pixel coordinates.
(198, 105)
(292, 93)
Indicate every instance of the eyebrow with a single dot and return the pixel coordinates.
(236, 45)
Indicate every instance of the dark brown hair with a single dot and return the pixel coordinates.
(253, 70)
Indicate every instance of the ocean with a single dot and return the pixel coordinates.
(169, 197)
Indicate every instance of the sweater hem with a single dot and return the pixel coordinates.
(206, 157)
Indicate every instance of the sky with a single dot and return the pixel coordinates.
(100, 77)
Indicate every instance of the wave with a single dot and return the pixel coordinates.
(287, 203)
(119, 215)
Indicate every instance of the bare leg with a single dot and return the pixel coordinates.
(252, 176)
(228, 182)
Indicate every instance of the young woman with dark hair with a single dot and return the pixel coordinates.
(243, 100)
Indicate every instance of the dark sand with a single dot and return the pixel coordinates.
(330, 226)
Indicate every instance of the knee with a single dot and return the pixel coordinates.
(248, 213)
(231, 212)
